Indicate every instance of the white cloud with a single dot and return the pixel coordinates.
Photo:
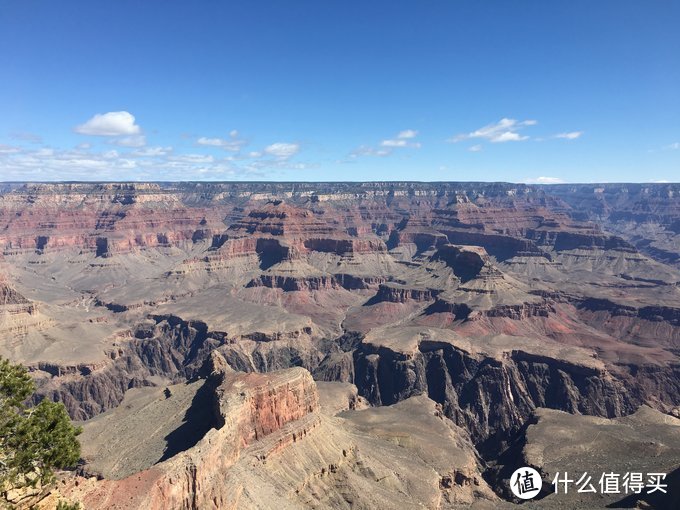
(365, 150)
(141, 164)
(215, 142)
(192, 158)
(408, 133)
(505, 130)
(674, 146)
(8, 149)
(51, 164)
(572, 135)
(233, 144)
(130, 141)
(508, 136)
(110, 124)
(152, 152)
(282, 150)
(46, 164)
(476, 148)
(545, 180)
(402, 140)
(393, 143)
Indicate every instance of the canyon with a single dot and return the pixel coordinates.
(347, 345)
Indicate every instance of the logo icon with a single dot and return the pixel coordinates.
(526, 483)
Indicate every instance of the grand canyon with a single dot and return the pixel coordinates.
(369, 345)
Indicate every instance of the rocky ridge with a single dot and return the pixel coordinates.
(487, 300)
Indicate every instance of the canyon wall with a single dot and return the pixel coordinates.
(482, 301)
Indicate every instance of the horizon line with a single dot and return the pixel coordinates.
(401, 181)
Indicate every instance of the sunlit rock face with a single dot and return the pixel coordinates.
(300, 338)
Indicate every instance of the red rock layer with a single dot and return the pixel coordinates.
(250, 407)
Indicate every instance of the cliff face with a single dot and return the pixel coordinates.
(289, 284)
(163, 346)
(103, 219)
(490, 389)
(485, 300)
(273, 401)
(168, 347)
(9, 295)
(17, 313)
(396, 294)
(546, 444)
(505, 219)
(644, 214)
(261, 420)
(247, 409)
(467, 263)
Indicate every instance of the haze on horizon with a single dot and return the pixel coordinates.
(448, 91)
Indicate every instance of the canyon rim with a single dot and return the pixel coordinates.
(348, 345)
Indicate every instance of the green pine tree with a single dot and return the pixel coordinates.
(34, 440)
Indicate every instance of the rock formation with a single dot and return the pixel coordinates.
(477, 308)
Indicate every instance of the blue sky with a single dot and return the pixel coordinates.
(524, 91)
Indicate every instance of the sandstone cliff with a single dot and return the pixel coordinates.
(466, 305)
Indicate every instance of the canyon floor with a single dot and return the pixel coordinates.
(349, 345)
